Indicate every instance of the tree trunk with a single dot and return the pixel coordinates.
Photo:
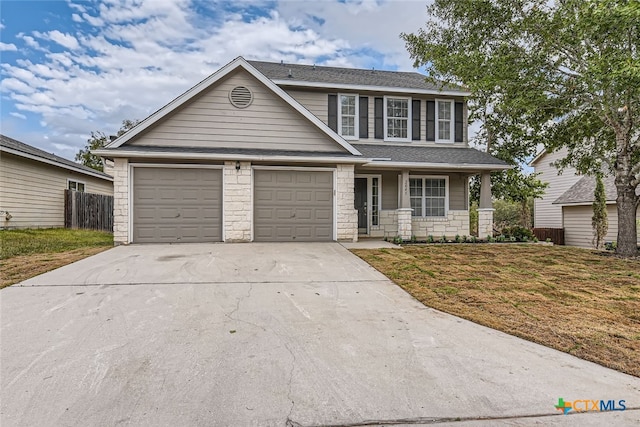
(626, 200)
(627, 228)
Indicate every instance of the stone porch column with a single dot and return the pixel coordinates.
(404, 211)
(120, 201)
(347, 215)
(485, 210)
(237, 207)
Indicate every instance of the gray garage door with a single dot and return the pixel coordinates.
(177, 205)
(293, 206)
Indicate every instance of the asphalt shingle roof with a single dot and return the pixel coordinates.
(232, 150)
(348, 76)
(16, 145)
(421, 154)
(582, 191)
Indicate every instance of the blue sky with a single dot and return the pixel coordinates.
(71, 67)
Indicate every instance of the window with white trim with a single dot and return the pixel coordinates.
(428, 196)
(375, 201)
(348, 116)
(444, 120)
(397, 119)
(75, 185)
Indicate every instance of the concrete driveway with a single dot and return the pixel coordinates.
(269, 334)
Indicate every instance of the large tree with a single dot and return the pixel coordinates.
(99, 140)
(560, 74)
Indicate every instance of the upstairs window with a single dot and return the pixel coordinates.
(397, 116)
(75, 185)
(348, 116)
(444, 120)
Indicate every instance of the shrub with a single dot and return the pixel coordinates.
(430, 239)
(519, 233)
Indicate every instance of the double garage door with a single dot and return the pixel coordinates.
(185, 205)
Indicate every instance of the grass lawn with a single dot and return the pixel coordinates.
(582, 302)
(27, 253)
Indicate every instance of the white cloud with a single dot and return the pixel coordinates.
(127, 58)
(18, 115)
(65, 40)
(30, 41)
(8, 47)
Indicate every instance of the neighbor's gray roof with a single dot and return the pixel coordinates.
(421, 154)
(582, 191)
(348, 76)
(28, 150)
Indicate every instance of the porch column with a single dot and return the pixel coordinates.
(404, 210)
(347, 215)
(485, 210)
(120, 201)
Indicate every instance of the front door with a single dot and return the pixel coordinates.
(361, 203)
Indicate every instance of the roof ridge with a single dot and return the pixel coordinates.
(285, 64)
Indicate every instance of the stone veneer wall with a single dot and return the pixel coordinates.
(347, 215)
(237, 204)
(485, 222)
(120, 202)
(456, 223)
(388, 225)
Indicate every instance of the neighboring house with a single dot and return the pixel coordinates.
(264, 151)
(545, 213)
(576, 204)
(32, 184)
(567, 202)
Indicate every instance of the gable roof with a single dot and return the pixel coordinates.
(582, 192)
(15, 147)
(239, 62)
(353, 78)
(421, 156)
(538, 156)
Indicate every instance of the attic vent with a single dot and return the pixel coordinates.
(240, 97)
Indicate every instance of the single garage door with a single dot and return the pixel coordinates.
(177, 205)
(293, 206)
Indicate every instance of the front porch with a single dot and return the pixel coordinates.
(416, 204)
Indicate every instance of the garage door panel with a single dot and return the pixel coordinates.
(284, 195)
(293, 205)
(177, 205)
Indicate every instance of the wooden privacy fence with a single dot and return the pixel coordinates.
(555, 234)
(88, 211)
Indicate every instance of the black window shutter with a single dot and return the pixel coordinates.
(364, 117)
(415, 120)
(378, 114)
(333, 112)
(431, 120)
(458, 128)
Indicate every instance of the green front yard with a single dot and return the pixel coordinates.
(579, 301)
(27, 253)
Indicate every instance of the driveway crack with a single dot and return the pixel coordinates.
(290, 422)
(232, 315)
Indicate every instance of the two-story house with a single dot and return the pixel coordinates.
(263, 151)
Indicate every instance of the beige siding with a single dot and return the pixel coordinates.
(211, 121)
(317, 103)
(390, 190)
(33, 192)
(546, 214)
(577, 225)
(458, 192)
